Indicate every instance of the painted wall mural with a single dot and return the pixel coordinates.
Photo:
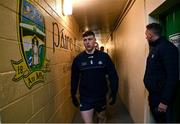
(62, 40)
(31, 32)
(32, 43)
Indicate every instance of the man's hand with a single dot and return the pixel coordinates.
(75, 101)
(162, 107)
(112, 99)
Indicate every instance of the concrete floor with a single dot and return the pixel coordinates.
(115, 114)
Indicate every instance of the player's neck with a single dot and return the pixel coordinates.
(90, 52)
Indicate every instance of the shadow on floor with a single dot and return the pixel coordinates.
(115, 114)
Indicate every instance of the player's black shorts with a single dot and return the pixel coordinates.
(90, 103)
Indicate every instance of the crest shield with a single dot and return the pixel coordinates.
(32, 44)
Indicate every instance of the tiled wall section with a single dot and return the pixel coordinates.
(48, 101)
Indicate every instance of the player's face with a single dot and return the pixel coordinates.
(89, 42)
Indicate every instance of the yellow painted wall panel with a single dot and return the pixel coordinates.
(37, 118)
(17, 112)
(67, 93)
(57, 72)
(56, 86)
(58, 117)
(9, 51)
(9, 4)
(65, 113)
(49, 109)
(70, 110)
(60, 98)
(10, 90)
(44, 100)
(40, 98)
(8, 24)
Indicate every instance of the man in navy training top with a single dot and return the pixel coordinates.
(88, 73)
(161, 75)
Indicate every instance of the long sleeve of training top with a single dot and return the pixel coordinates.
(74, 77)
(113, 77)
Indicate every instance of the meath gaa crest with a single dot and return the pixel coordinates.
(32, 43)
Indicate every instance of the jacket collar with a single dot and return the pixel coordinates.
(156, 42)
(95, 51)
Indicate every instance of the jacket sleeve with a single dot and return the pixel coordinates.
(171, 68)
(112, 75)
(74, 77)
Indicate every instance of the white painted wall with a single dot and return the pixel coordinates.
(151, 5)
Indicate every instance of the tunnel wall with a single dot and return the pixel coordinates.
(29, 91)
(109, 48)
(131, 50)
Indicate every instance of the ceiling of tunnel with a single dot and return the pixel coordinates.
(101, 16)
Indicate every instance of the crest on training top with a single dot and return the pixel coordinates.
(32, 43)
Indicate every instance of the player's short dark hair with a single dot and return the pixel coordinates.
(88, 33)
(155, 28)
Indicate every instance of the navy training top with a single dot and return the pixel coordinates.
(89, 73)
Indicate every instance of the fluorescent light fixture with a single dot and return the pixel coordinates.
(67, 7)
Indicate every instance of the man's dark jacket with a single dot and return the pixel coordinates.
(161, 73)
